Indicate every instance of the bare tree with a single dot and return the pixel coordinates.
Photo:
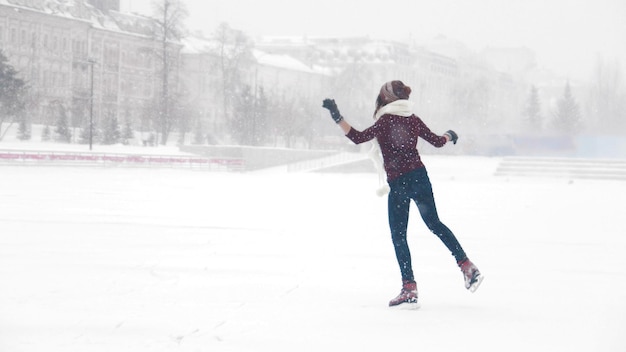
(608, 97)
(234, 53)
(169, 18)
(353, 87)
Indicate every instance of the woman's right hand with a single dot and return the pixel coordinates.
(332, 107)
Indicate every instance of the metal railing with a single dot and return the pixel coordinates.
(58, 158)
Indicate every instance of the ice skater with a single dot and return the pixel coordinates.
(396, 130)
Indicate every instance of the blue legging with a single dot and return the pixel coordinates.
(416, 185)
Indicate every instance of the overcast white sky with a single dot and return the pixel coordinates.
(566, 35)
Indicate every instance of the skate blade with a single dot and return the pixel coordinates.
(473, 287)
(406, 306)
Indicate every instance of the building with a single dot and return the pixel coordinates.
(279, 76)
(70, 51)
(79, 54)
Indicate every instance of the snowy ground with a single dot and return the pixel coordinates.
(98, 259)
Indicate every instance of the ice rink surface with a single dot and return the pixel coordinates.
(116, 259)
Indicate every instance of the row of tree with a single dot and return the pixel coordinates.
(13, 91)
(164, 113)
(14, 95)
(566, 118)
(256, 117)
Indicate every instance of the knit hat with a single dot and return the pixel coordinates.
(392, 91)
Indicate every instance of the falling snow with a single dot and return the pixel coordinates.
(100, 259)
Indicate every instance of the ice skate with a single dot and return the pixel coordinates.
(407, 297)
(472, 276)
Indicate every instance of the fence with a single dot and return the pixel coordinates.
(607, 169)
(21, 157)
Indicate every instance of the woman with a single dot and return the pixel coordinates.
(396, 130)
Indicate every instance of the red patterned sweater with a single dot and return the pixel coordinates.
(397, 137)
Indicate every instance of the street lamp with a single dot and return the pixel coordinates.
(91, 62)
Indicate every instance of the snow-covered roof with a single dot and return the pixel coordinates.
(288, 62)
(197, 45)
(133, 23)
(281, 61)
(83, 11)
(194, 44)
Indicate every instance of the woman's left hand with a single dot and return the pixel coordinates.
(451, 136)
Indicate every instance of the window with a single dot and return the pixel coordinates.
(79, 48)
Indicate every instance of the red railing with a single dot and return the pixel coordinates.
(111, 159)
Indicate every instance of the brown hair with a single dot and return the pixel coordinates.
(390, 92)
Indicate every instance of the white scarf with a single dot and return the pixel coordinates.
(400, 107)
